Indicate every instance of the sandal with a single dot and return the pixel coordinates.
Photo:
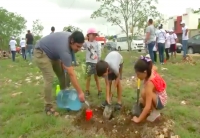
(51, 111)
(87, 93)
(99, 94)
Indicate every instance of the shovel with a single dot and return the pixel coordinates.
(136, 110)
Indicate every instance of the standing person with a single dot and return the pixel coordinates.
(12, 45)
(53, 54)
(93, 54)
(184, 39)
(173, 40)
(52, 30)
(167, 45)
(29, 45)
(155, 53)
(150, 38)
(160, 42)
(111, 70)
(23, 48)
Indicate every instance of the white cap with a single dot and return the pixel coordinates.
(171, 30)
(183, 22)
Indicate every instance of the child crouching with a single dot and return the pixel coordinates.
(153, 96)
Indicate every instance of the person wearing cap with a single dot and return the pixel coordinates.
(160, 42)
(150, 38)
(23, 48)
(52, 30)
(53, 54)
(173, 41)
(13, 49)
(184, 38)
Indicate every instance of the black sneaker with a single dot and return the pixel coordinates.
(104, 104)
(118, 106)
(99, 94)
(87, 93)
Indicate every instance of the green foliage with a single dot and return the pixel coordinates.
(127, 13)
(198, 26)
(72, 28)
(11, 24)
(37, 29)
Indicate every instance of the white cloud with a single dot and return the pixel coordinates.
(60, 13)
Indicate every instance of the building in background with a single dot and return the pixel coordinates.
(191, 18)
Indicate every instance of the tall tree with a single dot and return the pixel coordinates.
(37, 29)
(11, 24)
(72, 28)
(127, 14)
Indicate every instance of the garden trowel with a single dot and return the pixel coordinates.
(136, 110)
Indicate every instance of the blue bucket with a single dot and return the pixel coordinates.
(68, 99)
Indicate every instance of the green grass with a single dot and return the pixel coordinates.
(23, 115)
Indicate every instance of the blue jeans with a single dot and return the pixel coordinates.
(150, 49)
(185, 47)
(13, 55)
(161, 49)
(29, 52)
(23, 52)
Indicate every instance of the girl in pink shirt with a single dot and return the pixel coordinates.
(153, 95)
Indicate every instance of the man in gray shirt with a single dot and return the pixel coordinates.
(111, 70)
(53, 53)
(150, 38)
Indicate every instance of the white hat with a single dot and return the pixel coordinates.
(171, 30)
(183, 22)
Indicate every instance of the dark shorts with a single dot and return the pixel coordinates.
(112, 76)
(159, 104)
(172, 48)
(90, 69)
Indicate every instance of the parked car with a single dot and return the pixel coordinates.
(111, 45)
(194, 44)
(178, 47)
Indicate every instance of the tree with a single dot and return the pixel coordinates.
(11, 24)
(37, 29)
(127, 14)
(72, 28)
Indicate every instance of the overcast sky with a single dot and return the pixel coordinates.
(60, 13)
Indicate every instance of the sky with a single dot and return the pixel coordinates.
(60, 13)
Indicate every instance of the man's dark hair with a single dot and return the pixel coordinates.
(52, 28)
(77, 37)
(101, 68)
(29, 31)
(150, 21)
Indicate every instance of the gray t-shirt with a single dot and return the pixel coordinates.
(151, 29)
(93, 51)
(114, 59)
(56, 46)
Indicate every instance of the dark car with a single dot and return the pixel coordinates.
(179, 47)
(194, 44)
(111, 45)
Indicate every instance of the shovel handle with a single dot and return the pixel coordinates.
(138, 84)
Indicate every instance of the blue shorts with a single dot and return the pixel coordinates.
(159, 104)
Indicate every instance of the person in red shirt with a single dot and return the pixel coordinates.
(153, 96)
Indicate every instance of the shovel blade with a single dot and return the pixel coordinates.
(136, 110)
(108, 111)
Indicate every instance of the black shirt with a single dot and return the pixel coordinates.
(29, 38)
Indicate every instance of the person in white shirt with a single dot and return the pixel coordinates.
(160, 42)
(173, 40)
(23, 48)
(167, 45)
(184, 38)
(12, 45)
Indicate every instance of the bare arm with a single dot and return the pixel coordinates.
(149, 98)
(73, 78)
(107, 90)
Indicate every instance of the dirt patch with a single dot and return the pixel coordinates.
(121, 126)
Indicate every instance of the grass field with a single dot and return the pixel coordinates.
(21, 100)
